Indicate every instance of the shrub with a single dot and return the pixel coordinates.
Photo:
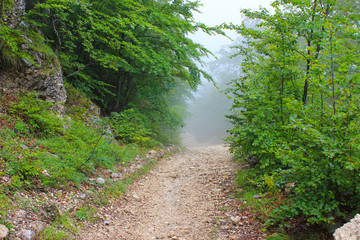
(129, 126)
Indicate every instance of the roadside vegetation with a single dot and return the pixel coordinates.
(40, 152)
(295, 112)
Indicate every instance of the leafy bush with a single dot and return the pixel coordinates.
(129, 126)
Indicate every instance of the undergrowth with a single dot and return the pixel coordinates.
(40, 150)
(257, 193)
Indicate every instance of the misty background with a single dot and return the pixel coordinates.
(207, 123)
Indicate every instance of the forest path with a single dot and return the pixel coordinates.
(181, 198)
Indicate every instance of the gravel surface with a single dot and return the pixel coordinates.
(183, 197)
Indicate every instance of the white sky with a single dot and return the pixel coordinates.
(216, 12)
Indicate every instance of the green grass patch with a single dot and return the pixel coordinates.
(60, 229)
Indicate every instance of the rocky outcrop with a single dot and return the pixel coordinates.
(350, 231)
(47, 80)
(43, 74)
(13, 17)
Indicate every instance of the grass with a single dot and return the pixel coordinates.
(60, 229)
(5, 205)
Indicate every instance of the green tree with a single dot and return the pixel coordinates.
(125, 53)
(297, 113)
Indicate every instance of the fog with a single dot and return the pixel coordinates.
(207, 123)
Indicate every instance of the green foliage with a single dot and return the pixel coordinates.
(79, 107)
(126, 54)
(37, 153)
(11, 53)
(277, 237)
(36, 115)
(53, 233)
(5, 205)
(79, 151)
(130, 126)
(60, 228)
(85, 213)
(296, 112)
(254, 193)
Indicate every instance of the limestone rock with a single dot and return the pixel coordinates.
(21, 214)
(100, 180)
(45, 173)
(44, 76)
(23, 146)
(26, 235)
(47, 80)
(152, 152)
(4, 231)
(38, 227)
(16, 14)
(115, 175)
(235, 219)
(107, 171)
(136, 197)
(82, 195)
(350, 231)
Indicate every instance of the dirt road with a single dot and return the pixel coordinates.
(181, 198)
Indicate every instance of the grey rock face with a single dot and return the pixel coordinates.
(16, 14)
(48, 81)
(44, 76)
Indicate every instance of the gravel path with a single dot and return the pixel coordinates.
(179, 199)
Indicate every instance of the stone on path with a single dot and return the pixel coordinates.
(100, 180)
(115, 175)
(26, 235)
(350, 231)
(4, 231)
